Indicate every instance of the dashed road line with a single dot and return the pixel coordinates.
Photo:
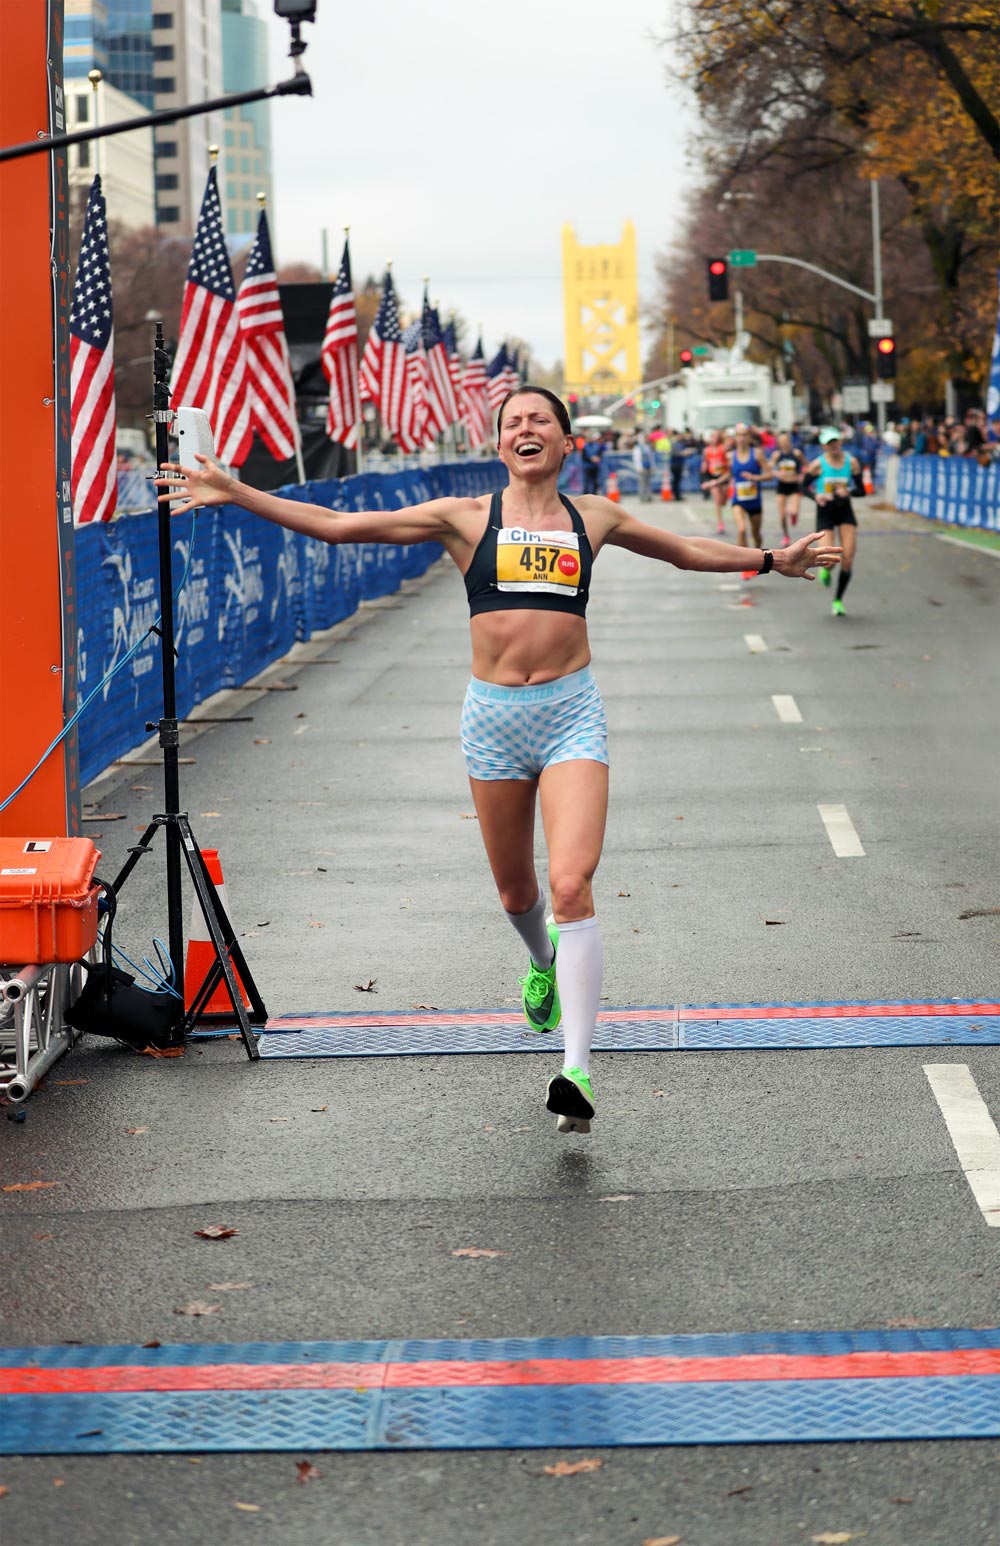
(755, 643)
(786, 708)
(972, 1131)
(841, 831)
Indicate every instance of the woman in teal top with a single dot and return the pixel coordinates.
(834, 472)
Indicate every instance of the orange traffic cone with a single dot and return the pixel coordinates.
(866, 480)
(666, 488)
(201, 951)
(612, 491)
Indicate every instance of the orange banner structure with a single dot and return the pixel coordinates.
(38, 624)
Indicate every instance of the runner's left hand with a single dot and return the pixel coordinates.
(812, 552)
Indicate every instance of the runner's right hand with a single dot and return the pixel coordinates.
(195, 486)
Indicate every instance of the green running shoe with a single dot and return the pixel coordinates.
(571, 1096)
(823, 575)
(837, 608)
(540, 995)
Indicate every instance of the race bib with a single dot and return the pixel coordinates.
(545, 561)
(840, 489)
(788, 466)
(746, 491)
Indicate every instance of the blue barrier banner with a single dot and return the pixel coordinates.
(252, 591)
(950, 488)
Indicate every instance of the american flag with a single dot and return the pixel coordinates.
(92, 371)
(454, 367)
(476, 410)
(513, 371)
(340, 359)
(269, 368)
(442, 409)
(496, 378)
(210, 367)
(383, 364)
(411, 433)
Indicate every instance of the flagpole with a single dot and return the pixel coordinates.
(359, 450)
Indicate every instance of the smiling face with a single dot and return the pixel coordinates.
(532, 443)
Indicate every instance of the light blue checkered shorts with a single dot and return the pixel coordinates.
(515, 732)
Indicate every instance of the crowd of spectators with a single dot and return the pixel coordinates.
(973, 435)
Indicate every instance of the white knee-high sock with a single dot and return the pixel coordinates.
(579, 967)
(532, 929)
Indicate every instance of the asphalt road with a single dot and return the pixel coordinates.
(764, 1191)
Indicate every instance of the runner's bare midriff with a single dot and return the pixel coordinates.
(514, 649)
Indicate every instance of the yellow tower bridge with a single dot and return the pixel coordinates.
(601, 302)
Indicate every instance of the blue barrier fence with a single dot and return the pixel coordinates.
(950, 488)
(252, 591)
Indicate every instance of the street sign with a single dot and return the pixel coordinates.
(855, 397)
(700, 349)
(883, 391)
(743, 257)
(879, 327)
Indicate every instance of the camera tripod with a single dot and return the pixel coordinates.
(180, 840)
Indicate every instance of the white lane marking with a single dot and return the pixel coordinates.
(731, 585)
(972, 1131)
(961, 542)
(841, 831)
(755, 643)
(787, 708)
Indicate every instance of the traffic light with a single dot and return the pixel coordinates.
(573, 399)
(885, 358)
(687, 358)
(718, 279)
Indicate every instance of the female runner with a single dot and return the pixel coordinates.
(748, 470)
(715, 474)
(533, 722)
(834, 472)
(786, 464)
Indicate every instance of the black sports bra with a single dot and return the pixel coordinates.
(515, 567)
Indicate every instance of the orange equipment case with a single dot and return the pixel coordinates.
(48, 901)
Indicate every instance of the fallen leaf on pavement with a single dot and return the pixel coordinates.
(572, 1467)
(197, 1307)
(307, 1471)
(262, 740)
(476, 1250)
(41, 1237)
(661, 1540)
(140, 788)
(619, 1197)
(314, 923)
(468, 816)
(366, 987)
(224, 1288)
(152, 1344)
(216, 1232)
(774, 923)
(163, 1052)
(836, 1537)
(979, 912)
(133, 1131)
(209, 813)
(248, 1508)
(65, 1082)
(27, 1186)
(277, 1119)
(659, 1092)
(4, 1491)
(624, 893)
(902, 1500)
(317, 1108)
(425, 1006)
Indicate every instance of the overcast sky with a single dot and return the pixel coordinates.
(457, 136)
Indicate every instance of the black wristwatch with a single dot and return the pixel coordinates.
(768, 563)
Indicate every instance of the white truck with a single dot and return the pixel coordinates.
(724, 391)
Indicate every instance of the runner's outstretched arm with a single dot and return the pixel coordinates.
(191, 487)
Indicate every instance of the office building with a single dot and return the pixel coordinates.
(246, 165)
(125, 161)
